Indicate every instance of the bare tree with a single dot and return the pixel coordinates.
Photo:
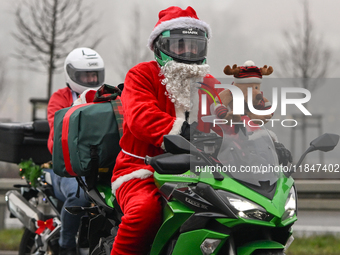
(134, 51)
(48, 30)
(306, 57)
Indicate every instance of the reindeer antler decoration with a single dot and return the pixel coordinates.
(266, 71)
(232, 71)
(246, 77)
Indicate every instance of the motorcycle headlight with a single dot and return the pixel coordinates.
(290, 206)
(245, 208)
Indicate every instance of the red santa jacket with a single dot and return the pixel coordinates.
(60, 99)
(148, 116)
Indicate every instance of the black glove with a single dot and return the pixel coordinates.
(189, 130)
(185, 130)
(283, 154)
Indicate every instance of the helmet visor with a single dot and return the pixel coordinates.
(185, 47)
(91, 78)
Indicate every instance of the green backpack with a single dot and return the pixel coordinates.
(86, 137)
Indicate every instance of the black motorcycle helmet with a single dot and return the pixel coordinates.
(184, 45)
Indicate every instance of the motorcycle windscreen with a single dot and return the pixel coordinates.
(248, 153)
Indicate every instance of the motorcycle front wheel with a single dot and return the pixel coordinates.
(28, 244)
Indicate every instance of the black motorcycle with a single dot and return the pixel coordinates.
(35, 203)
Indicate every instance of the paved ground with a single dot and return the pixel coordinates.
(317, 223)
(8, 253)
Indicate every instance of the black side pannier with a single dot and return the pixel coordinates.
(22, 141)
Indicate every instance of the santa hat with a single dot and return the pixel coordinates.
(249, 73)
(86, 97)
(175, 17)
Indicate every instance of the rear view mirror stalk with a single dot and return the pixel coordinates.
(325, 142)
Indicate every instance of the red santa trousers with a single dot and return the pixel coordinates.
(141, 204)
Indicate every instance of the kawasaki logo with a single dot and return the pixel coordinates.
(196, 204)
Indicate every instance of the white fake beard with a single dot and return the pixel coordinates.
(180, 79)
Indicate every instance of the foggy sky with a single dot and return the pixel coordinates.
(242, 30)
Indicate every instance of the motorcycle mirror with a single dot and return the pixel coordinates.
(325, 142)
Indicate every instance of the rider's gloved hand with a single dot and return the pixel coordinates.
(283, 154)
(185, 130)
(189, 130)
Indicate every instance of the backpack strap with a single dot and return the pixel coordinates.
(91, 179)
(64, 139)
(118, 111)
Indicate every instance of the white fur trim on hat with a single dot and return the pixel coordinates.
(181, 22)
(247, 80)
(77, 102)
(82, 98)
(139, 174)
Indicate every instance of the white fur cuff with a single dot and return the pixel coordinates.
(178, 123)
(267, 104)
(85, 97)
(176, 129)
(273, 135)
(139, 174)
(77, 102)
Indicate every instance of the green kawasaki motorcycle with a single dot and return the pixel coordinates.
(235, 199)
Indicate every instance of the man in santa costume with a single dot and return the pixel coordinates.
(156, 102)
(84, 69)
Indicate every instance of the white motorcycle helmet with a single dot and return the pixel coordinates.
(84, 69)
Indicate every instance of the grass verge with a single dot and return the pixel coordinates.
(10, 239)
(315, 245)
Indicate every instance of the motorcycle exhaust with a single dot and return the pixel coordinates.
(23, 210)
